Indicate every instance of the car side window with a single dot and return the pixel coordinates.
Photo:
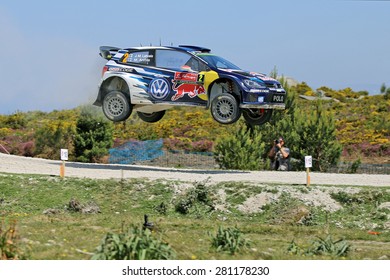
(139, 57)
(171, 59)
(197, 65)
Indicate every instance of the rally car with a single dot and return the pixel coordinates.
(150, 80)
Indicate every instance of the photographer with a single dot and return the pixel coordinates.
(279, 155)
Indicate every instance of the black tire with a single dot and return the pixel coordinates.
(225, 109)
(116, 106)
(152, 117)
(256, 116)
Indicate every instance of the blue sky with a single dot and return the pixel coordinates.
(49, 49)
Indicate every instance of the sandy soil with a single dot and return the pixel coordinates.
(17, 164)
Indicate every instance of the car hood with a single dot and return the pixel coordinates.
(246, 74)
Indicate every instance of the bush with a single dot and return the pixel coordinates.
(94, 136)
(243, 149)
(321, 246)
(198, 197)
(16, 120)
(27, 149)
(354, 166)
(52, 136)
(327, 246)
(229, 239)
(135, 244)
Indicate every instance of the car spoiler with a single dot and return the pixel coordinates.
(195, 48)
(108, 52)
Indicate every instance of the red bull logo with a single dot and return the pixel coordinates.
(191, 89)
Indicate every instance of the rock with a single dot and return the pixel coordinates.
(384, 205)
(51, 211)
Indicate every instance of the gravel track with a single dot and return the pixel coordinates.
(24, 165)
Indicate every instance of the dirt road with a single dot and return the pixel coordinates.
(16, 164)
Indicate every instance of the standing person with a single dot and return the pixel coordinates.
(279, 155)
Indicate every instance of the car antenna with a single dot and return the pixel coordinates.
(160, 41)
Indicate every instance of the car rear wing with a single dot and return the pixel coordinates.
(108, 52)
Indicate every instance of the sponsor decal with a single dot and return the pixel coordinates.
(120, 69)
(278, 98)
(125, 57)
(185, 77)
(191, 89)
(140, 57)
(187, 83)
(159, 88)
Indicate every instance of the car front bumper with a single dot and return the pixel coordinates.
(273, 106)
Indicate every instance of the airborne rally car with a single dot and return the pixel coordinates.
(150, 80)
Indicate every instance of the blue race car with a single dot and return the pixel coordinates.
(150, 80)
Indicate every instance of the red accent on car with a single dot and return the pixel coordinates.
(105, 69)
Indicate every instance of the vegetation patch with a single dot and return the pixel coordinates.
(211, 226)
(322, 246)
(134, 244)
(229, 239)
(196, 200)
(11, 248)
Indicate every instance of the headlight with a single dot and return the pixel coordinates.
(253, 84)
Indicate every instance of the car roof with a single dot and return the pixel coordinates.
(187, 48)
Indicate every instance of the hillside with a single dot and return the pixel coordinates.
(362, 121)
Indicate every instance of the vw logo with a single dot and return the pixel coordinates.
(159, 88)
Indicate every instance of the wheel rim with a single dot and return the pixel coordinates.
(224, 109)
(115, 106)
(257, 114)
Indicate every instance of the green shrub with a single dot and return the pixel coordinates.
(135, 244)
(320, 246)
(327, 246)
(229, 239)
(198, 197)
(243, 149)
(355, 166)
(93, 138)
(363, 197)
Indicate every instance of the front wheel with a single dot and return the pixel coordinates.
(256, 116)
(152, 117)
(224, 109)
(116, 106)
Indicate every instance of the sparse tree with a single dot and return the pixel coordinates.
(386, 91)
(383, 88)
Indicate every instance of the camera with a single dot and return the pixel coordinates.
(276, 141)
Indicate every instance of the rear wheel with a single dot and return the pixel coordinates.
(116, 106)
(224, 109)
(152, 117)
(256, 116)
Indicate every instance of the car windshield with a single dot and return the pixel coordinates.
(218, 62)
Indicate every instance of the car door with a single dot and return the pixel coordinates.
(185, 83)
